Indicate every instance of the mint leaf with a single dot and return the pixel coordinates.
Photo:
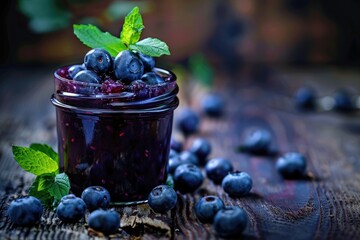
(151, 46)
(33, 161)
(45, 181)
(93, 37)
(47, 150)
(43, 195)
(60, 186)
(132, 28)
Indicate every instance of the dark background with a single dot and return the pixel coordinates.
(227, 33)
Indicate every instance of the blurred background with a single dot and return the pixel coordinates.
(224, 33)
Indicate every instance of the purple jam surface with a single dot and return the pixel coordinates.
(115, 135)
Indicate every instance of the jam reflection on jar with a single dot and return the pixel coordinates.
(120, 140)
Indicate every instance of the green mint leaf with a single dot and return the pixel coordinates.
(33, 161)
(60, 186)
(43, 195)
(93, 37)
(151, 46)
(45, 181)
(132, 28)
(47, 150)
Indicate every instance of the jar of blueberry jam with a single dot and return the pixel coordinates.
(115, 134)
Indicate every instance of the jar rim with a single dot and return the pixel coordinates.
(168, 75)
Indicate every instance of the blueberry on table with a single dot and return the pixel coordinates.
(73, 70)
(162, 198)
(173, 163)
(96, 197)
(176, 145)
(342, 101)
(87, 76)
(237, 183)
(187, 178)
(189, 157)
(105, 221)
(173, 153)
(217, 168)
(98, 60)
(230, 221)
(188, 121)
(148, 61)
(212, 105)
(305, 98)
(71, 209)
(25, 211)
(291, 165)
(207, 207)
(257, 141)
(151, 78)
(201, 148)
(128, 66)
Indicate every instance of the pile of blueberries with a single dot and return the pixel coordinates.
(342, 101)
(27, 210)
(127, 68)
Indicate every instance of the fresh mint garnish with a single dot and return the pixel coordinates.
(93, 37)
(151, 47)
(41, 160)
(132, 28)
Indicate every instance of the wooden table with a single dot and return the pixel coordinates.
(324, 205)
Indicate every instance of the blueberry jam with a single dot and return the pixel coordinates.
(114, 134)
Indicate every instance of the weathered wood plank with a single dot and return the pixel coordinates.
(323, 205)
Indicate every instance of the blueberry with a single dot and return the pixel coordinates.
(128, 67)
(305, 98)
(148, 61)
(105, 221)
(342, 101)
(87, 76)
(187, 178)
(207, 207)
(213, 105)
(291, 165)
(188, 121)
(173, 163)
(173, 153)
(151, 78)
(230, 221)
(96, 197)
(201, 148)
(25, 211)
(257, 141)
(98, 60)
(217, 168)
(73, 70)
(71, 209)
(237, 183)
(162, 198)
(176, 145)
(189, 157)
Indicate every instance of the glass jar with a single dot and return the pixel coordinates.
(120, 140)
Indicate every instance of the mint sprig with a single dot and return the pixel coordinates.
(132, 28)
(93, 37)
(129, 39)
(41, 160)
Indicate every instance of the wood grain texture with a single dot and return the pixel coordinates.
(323, 205)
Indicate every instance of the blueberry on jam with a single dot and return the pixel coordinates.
(149, 62)
(73, 70)
(151, 78)
(98, 60)
(87, 76)
(128, 66)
